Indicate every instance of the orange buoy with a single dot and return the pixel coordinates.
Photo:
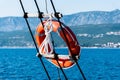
(67, 35)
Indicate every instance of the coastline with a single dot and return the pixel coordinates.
(58, 48)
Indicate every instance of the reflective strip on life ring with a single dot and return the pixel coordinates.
(72, 43)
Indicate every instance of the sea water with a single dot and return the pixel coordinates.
(96, 64)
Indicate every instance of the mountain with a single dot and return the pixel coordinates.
(16, 23)
(93, 17)
(91, 35)
(92, 29)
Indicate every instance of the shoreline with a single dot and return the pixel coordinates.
(57, 48)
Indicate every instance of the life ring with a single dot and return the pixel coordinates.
(65, 61)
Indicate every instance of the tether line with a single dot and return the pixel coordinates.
(58, 74)
(33, 39)
(67, 40)
(40, 13)
(56, 56)
(46, 6)
(80, 70)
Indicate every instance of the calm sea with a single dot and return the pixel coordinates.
(96, 64)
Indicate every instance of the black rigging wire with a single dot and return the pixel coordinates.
(25, 17)
(56, 55)
(53, 42)
(56, 13)
(53, 45)
(53, 6)
(80, 70)
(40, 17)
(40, 13)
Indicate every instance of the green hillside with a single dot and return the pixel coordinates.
(102, 35)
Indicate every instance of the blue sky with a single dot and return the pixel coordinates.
(13, 8)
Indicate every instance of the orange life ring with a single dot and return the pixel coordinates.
(74, 48)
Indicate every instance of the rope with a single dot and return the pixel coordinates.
(67, 39)
(53, 6)
(80, 70)
(44, 45)
(58, 74)
(53, 42)
(40, 13)
(47, 41)
(46, 6)
(34, 39)
(56, 58)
